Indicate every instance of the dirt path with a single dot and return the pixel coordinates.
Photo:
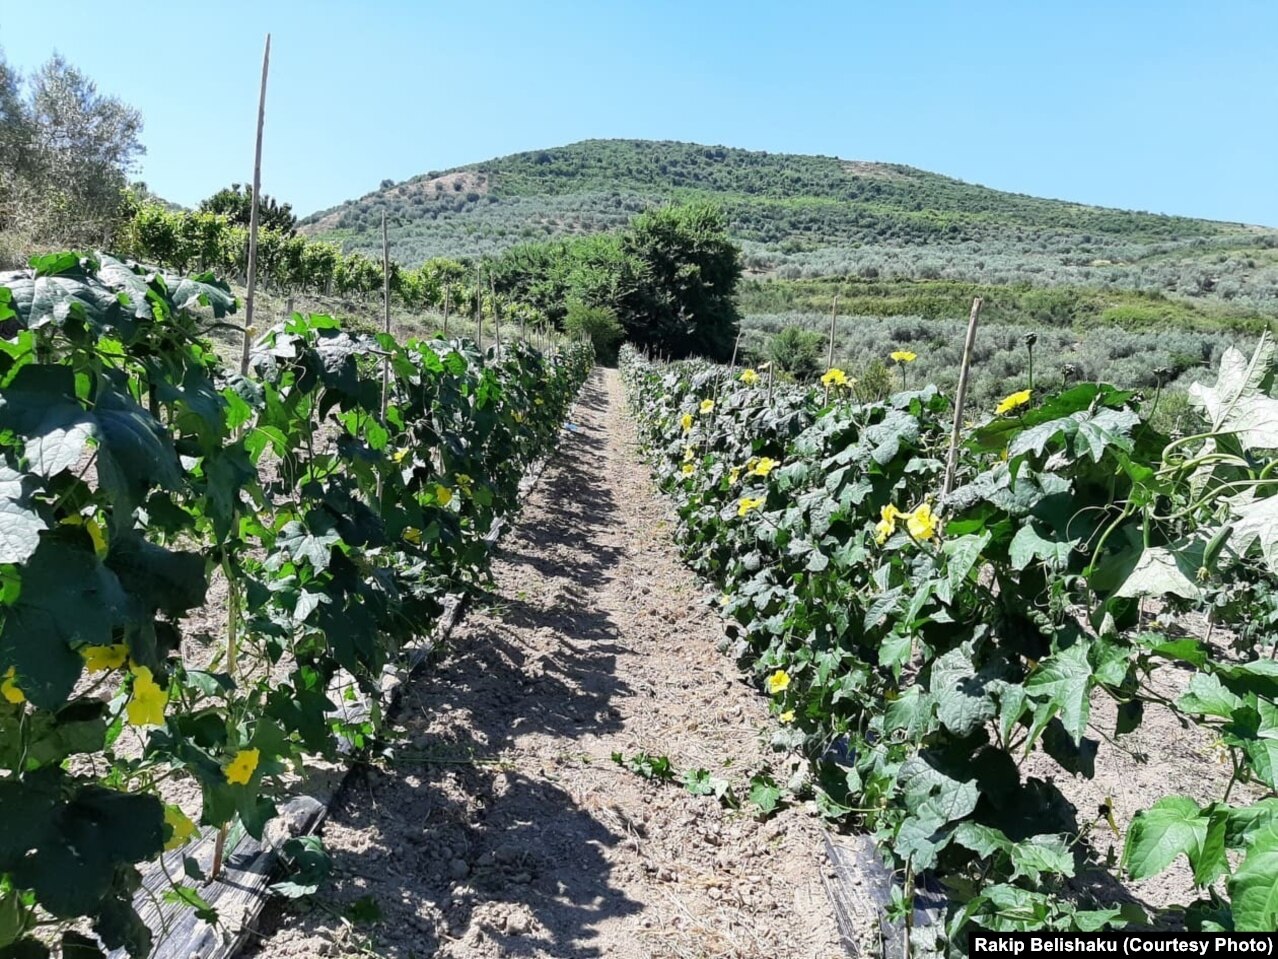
(505, 829)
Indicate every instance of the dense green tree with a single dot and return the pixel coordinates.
(597, 324)
(797, 352)
(688, 270)
(236, 204)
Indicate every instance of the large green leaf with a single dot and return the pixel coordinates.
(1062, 685)
(20, 523)
(1084, 433)
(1239, 403)
(1253, 889)
(1171, 827)
(68, 599)
(963, 700)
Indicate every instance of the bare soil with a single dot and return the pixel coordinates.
(502, 827)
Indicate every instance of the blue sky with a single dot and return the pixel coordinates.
(1170, 106)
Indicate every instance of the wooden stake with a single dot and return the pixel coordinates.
(448, 292)
(385, 314)
(829, 356)
(479, 313)
(735, 343)
(253, 213)
(492, 286)
(220, 846)
(951, 461)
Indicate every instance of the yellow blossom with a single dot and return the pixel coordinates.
(706, 406)
(1012, 401)
(688, 469)
(412, 534)
(787, 716)
(9, 687)
(921, 523)
(886, 525)
(749, 377)
(686, 421)
(734, 474)
(146, 707)
(688, 454)
(834, 377)
(764, 466)
(778, 682)
(747, 503)
(399, 454)
(904, 356)
(100, 659)
(539, 402)
(91, 526)
(443, 495)
(183, 828)
(240, 771)
(519, 416)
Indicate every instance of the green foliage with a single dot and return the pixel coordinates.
(236, 204)
(133, 464)
(599, 325)
(918, 645)
(797, 352)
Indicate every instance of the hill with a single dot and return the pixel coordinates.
(810, 216)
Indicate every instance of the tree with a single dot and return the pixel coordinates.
(599, 325)
(66, 152)
(687, 270)
(236, 204)
(797, 351)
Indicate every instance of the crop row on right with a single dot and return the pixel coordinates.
(942, 659)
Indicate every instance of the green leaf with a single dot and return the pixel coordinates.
(1207, 696)
(188, 896)
(765, 794)
(963, 701)
(1165, 571)
(1027, 545)
(1062, 685)
(1238, 403)
(309, 864)
(20, 524)
(1171, 827)
(68, 599)
(1253, 889)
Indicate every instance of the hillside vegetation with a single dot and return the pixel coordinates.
(809, 216)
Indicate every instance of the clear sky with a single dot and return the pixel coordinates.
(1162, 105)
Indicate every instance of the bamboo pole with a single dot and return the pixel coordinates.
(951, 460)
(219, 847)
(829, 356)
(492, 286)
(479, 313)
(448, 292)
(253, 216)
(385, 314)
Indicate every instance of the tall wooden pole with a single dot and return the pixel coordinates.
(253, 212)
(219, 847)
(479, 313)
(448, 293)
(492, 286)
(385, 314)
(951, 461)
(829, 356)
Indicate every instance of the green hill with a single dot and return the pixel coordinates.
(809, 216)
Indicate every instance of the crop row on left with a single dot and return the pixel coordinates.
(136, 470)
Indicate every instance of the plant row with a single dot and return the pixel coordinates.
(340, 489)
(919, 647)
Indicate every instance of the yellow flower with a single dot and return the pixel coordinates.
(183, 828)
(146, 707)
(787, 716)
(443, 495)
(99, 659)
(764, 466)
(686, 420)
(688, 469)
(778, 682)
(93, 528)
(1012, 401)
(240, 771)
(734, 474)
(519, 416)
(412, 534)
(921, 523)
(747, 503)
(904, 356)
(399, 454)
(539, 401)
(706, 406)
(749, 377)
(834, 377)
(688, 454)
(9, 687)
(886, 525)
